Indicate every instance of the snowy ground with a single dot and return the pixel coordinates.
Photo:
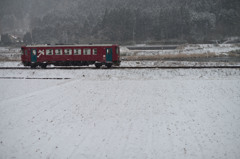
(9, 54)
(147, 113)
(188, 49)
(122, 113)
(141, 64)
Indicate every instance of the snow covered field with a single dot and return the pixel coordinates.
(142, 64)
(188, 49)
(10, 54)
(147, 113)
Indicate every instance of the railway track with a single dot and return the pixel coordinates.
(153, 67)
(104, 68)
(34, 78)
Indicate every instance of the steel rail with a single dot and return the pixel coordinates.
(152, 67)
(35, 78)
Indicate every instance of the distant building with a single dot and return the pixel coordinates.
(8, 39)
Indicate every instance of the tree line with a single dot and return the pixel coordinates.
(136, 21)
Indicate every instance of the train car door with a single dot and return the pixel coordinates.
(33, 55)
(109, 54)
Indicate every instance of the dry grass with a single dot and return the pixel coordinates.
(170, 56)
(235, 53)
(10, 58)
(6, 59)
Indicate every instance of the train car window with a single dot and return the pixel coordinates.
(49, 52)
(117, 50)
(94, 51)
(77, 51)
(58, 52)
(26, 52)
(68, 51)
(86, 51)
(22, 52)
(34, 52)
(107, 51)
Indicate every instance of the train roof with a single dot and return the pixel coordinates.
(82, 45)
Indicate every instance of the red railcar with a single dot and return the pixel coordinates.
(70, 55)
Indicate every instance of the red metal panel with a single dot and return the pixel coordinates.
(43, 57)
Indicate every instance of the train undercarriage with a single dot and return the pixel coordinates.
(44, 65)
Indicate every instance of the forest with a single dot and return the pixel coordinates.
(123, 22)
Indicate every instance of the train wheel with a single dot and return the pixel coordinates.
(43, 66)
(98, 65)
(33, 66)
(109, 65)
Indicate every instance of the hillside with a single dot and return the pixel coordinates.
(126, 21)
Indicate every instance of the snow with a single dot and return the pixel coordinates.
(188, 49)
(8, 53)
(146, 113)
(11, 64)
(121, 113)
(141, 64)
(122, 74)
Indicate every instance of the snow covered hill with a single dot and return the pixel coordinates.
(120, 114)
